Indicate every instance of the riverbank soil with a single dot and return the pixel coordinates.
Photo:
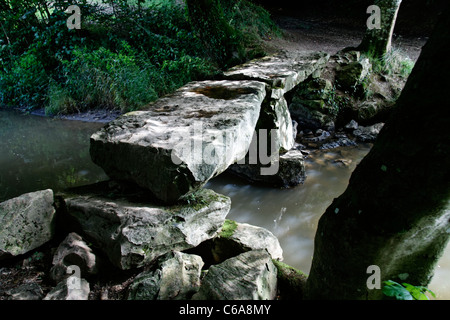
(328, 27)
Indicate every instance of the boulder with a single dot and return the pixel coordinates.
(351, 74)
(176, 276)
(369, 133)
(315, 89)
(312, 113)
(371, 111)
(73, 251)
(72, 288)
(182, 140)
(26, 222)
(133, 232)
(288, 170)
(236, 238)
(248, 276)
(276, 119)
(351, 126)
(313, 104)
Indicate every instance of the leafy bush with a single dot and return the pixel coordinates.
(405, 291)
(105, 79)
(126, 54)
(394, 62)
(25, 83)
(230, 30)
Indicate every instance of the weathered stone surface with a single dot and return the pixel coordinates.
(351, 126)
(276, 118)
(375, 110)
(242, 237)
(73, 250)
(132, 233)
(312, 114)
(248, 276)
(282, 72)
(351, 74)
(274, 134)
(72, 288)
(26, 222)
(288, 170)
(176, 276)
(369, 133)
(183, 139)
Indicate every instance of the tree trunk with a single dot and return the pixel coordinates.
(377, 42)
(395, 213)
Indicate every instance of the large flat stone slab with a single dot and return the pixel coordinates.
(182, 140)
(282, 71)
(132, 231)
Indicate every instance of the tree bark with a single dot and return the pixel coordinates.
(378, 42)
(395, 212)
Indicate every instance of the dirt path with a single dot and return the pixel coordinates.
(311, 34)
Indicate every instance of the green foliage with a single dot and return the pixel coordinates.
(395, 62)
(195, 200)
(105, 79)
(405, 291)
(230, 30)
(228, 228)
(126, 54)
(335, 102)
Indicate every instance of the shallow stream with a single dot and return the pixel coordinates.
(39, 153)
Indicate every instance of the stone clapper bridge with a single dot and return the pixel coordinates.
(155, 209)
(181, 141)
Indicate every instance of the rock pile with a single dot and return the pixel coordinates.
(170, 249)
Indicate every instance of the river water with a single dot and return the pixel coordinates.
(38, 153)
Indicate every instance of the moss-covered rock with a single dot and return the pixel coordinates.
(291, 281)
(236, 238)
(179, 142)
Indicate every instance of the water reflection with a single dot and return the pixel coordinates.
(38, 153)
